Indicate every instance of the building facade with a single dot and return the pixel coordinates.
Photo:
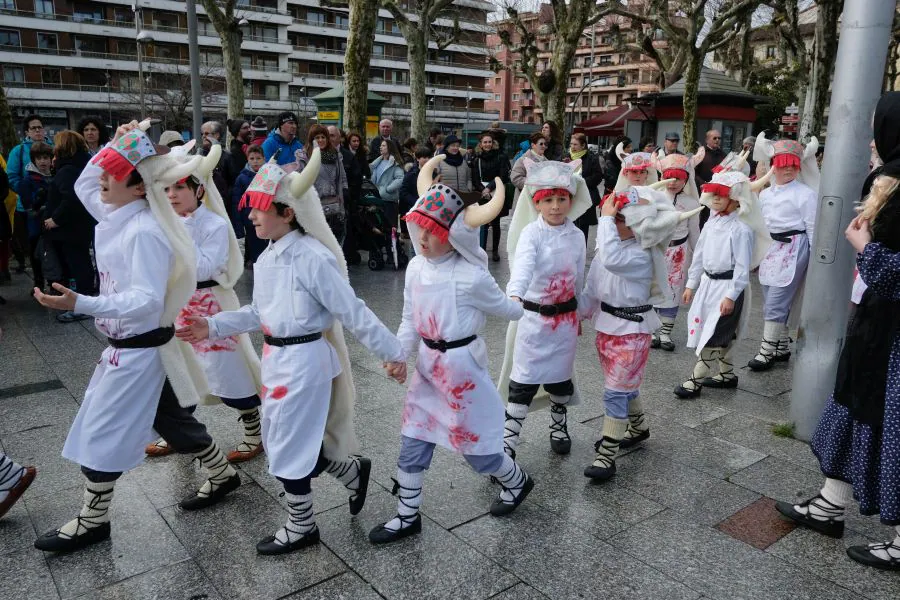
(69, 58)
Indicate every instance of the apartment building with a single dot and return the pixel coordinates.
(69, 58)
(616, 74)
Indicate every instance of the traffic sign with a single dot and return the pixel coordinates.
(793, 109)
(789, 128)
(790, 119)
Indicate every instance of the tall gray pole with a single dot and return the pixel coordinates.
(862, 50)
(138, 23)
(194, 57)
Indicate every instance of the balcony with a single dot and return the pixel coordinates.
(67, 18)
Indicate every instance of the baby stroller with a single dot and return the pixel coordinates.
(379, 233)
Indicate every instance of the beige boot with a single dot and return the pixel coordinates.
(691, 388)
(604, 465)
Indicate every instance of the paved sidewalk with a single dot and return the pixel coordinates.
(688, 516)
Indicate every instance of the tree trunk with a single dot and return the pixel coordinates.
(826, 53)
(234, 76)
(417, 49)
(691, 84)
(363, 15)
(8, 137)
(561, 63)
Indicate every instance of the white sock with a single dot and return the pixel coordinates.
(220, 470)
(637, 422)
(300, 519)
(515, 418)
(665, 332)
(771, 337)
(558, 429)
(835, 495)
(408, 489)
(887, 550)
(511, 476)
(252, 430)
(610, 437)
(94, 512)
(345, 471)
(10, 474)
(701, 369)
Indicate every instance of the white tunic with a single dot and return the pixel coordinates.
(548, 269)
(451, 399)
(725, 244)
(679, 257)
(115, 421)
(789, 207)
(620, 275)
(222, 361)
(298, 290)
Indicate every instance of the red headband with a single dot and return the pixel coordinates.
(786, 160)
(546, 193)
(637, 169)
(717, 189)
(675, 174)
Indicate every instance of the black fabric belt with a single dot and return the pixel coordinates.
(551, 310)
(149, 339)
(202, 285)
(723, 275)
(785, 236)
(443, 345)
(292, 341)
(678, 242)
(629, 313)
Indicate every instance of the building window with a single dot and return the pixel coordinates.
(89, 45)
(515, 96)
(10, 37)
(378, 50)
(515, 113)
(47, 42)
(315, 18)
(573, 82)
(266, 34)
(619, 98)
(7, 4)
(606, 59)
(341, 22)
(770, 52)
(496, 97)
(270, 91)
(267, 63)
(376, 75)
(13, 74)
(208, 58)
(41, 7)
(83, 13)
(130, 48)
(51, 77)
(316, 69)
(604, 101)
(165, 20)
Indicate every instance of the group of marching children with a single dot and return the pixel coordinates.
(168, 262)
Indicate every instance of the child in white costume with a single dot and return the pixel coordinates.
(789, 208)
(300, 287)
(637, 169)
(681, 188)
(546, 257)
(451, 399)
(231, 364)
(731, 244)
(146, 380)
(627, 276)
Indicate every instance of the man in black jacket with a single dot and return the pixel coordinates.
(236, 158)
(385, 127)
(351, 195)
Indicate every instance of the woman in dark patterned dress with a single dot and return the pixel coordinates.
(857, 440)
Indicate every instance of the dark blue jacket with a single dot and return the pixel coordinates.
(240, 187)
(275, 144)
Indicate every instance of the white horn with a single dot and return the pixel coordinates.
(741, 159)
(144, 125)
(477, 215)
(760, 183)
(659, 185)
(620, 151)
(689, 213)
(180, 170)
(301, 183)
(210, 161)
(426, 175)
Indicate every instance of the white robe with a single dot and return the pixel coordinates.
(298, 290)
(548, 269)
(789, 207)
(679, 258)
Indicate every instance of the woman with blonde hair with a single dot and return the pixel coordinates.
(857, 440)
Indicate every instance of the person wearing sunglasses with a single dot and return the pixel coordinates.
(536, 153)
(704, 171)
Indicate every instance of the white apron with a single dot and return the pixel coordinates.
(296, 389)
(678, 261)
(704, 314)
(780, 263)
(222, 360)
(451, 399)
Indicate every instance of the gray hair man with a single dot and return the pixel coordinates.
(385, 128)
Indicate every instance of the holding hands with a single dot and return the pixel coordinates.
(196, 330)
(396, 371)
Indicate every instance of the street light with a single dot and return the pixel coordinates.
(468, 94)
(141, 37)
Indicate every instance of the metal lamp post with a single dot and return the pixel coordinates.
(574, 104)
(468, 94)
(194, 58)
(141, 37)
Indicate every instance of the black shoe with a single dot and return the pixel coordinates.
(52, 542)
(861, 554)
(496, 256)
(500, 508)
(831, 528)
(719, 384)
(382, 535)
(561, 446)
(600, 474)
(629, 442)
(358, 500)
(196, 502)
(269, 547)
(667, 346)
(782, 357)
(686, 394)
(759, 366)
(654, 342)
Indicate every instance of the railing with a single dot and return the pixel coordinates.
(69, 18)
(451, 109)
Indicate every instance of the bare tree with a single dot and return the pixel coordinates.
(565, 27)
(222, 15)
(891, 72)
(693, 29)
(823, 54)
(167, 95)
(8, 137)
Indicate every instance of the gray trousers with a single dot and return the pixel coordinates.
(780, 300)
(416, 455)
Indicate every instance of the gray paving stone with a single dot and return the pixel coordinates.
(42, 447)
(31, 411)
(719, 566)
(222, 541)
(181, 581)
(520, 592)
(826, 558)
(140, 540)
(681, 488)
(347, 586)
(757, 434)
(26, 576)
(779, 479)
(16, 530)
(773, 409)
(695, 449)
(434, 564)
(555, 556)
(21, 366)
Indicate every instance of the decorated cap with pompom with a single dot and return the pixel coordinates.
(121, 157)
(262, 190)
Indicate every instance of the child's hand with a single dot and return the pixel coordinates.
(123, 129)
(396, 371)
(64, 302)
(687, 296)
(858, 233)
(516, 298)
(726, 307)
(609, 208)
(196, 330)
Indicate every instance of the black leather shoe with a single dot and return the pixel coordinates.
(268, 546)
(560, 446)
(53, 542)
(831, 528)
(600, 474)
(861, 554)
(719, 384)
(500, 508)
(686, 394)
(358, 500)
(382, 535)
(782, 357)
(196, 502)
(654, 342)
(633, 441)
(758, 365)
